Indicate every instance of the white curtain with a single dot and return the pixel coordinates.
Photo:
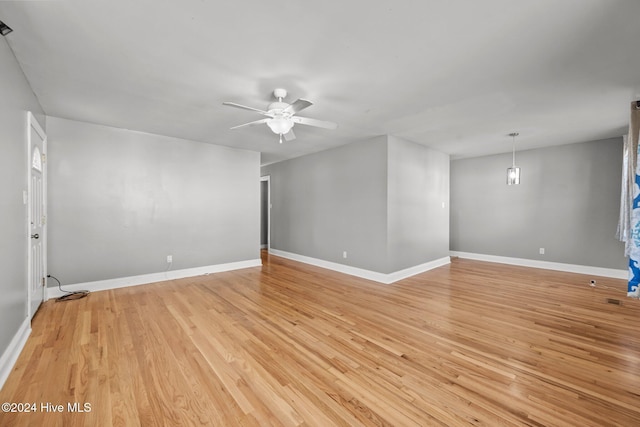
(629, 222)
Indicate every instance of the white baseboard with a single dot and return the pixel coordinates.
(10, 355)
(547, 265)
(360, 272)
(417, 269)
(121, 282)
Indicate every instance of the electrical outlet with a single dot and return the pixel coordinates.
(169, 258)
(541, 251)
(344, 254)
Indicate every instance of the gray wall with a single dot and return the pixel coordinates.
(17, 99)
(380, 200)
(121, 201)
(568, 203)
(333, 201)
(418, 222)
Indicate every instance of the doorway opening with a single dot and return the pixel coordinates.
(265, 212)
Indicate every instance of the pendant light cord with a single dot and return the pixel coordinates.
(514, 134)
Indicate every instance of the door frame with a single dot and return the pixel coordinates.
(32, 122)
(267, 178)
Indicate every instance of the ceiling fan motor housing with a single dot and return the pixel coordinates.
(276, 107)
(280, 93)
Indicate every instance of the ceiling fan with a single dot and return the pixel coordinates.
(282, 116)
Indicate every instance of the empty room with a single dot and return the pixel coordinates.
(289, 213)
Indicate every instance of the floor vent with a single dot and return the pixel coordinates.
(614, 301)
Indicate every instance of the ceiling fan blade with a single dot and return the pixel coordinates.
(289, 136)
(257, 122)
(244, 107)
(298, 105)
(314, 122)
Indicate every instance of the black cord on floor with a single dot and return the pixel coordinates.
(68, 295)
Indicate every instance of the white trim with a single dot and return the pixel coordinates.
(122, 282)
(417, 269)
(10, 355)
(547, 265)
(359, 272)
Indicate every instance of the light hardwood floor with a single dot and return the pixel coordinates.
(289, 344)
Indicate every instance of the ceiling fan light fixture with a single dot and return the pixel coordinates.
(280, 125)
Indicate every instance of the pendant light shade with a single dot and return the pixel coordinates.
(513, 176)
(513, 173)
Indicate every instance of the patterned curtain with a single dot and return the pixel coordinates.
(629, 223)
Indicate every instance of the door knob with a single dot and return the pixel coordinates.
(35, 236)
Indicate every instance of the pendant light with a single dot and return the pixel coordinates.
(513, 173)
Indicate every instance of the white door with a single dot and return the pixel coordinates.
(37, 213)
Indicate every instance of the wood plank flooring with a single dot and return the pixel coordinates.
(288, 344)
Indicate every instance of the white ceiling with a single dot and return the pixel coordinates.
(455, 75)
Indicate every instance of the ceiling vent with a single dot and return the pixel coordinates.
(4, 29)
